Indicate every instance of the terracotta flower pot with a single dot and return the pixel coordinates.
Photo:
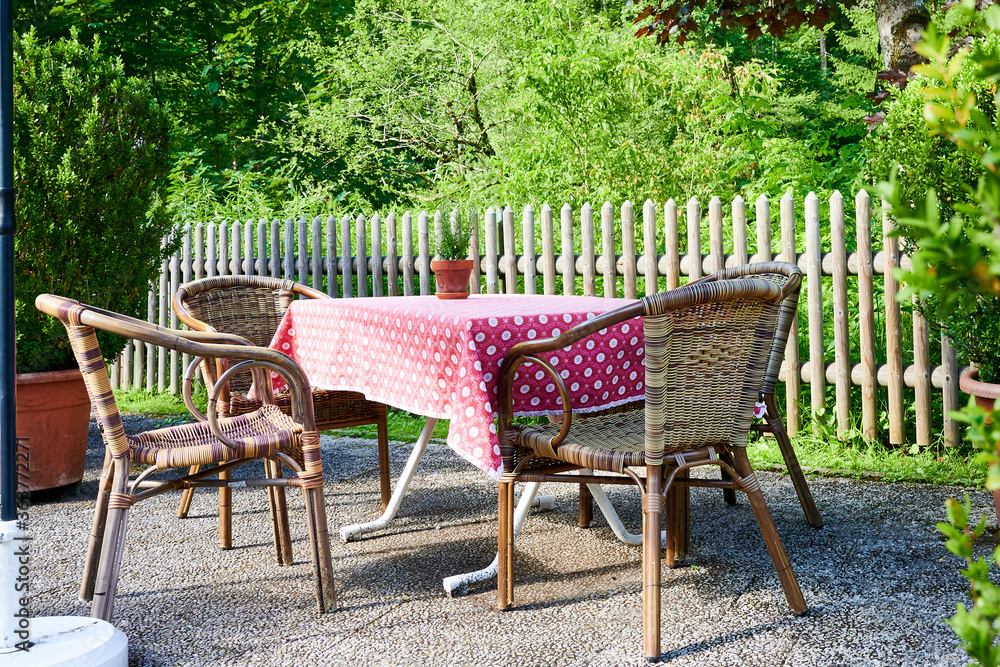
(985, 394)
(452, 277)
(53, 412)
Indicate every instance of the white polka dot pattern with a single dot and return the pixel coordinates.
(442, 358)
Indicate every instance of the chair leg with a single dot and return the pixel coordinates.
(114, 540)
(385, 485)
(225, 512)
(652, 510)
(782, 566)
(187, 495)
(729, 495)
(279, 515)
(676, 511)
(96, 533)
(505, 544)
(319, 543)
(586, 507)
(792, 463)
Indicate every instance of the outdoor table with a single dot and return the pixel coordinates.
(441, 359)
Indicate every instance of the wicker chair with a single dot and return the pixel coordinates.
(252, 307)
(778, 272)
(706, 352)
(265, 433)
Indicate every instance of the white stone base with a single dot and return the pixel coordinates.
(72, 641)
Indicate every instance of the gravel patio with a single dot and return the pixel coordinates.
(877, 577)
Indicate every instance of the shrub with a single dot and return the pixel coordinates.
(942, 162)
(90, 164)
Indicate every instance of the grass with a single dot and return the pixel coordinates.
(823, 454)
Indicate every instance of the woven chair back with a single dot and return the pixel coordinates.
(248, 306)
(789, 278)
(706, 352)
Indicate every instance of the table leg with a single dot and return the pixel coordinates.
(608, 510)
(458, 584)
(348, 532)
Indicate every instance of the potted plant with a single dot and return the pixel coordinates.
(453, 268)
(90, 163)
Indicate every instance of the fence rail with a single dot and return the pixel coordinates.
(842, 292)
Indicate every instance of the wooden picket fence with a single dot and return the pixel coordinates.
(618, 262)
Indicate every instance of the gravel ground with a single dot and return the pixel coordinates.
(877, 577)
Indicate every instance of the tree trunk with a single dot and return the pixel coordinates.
(900, 23)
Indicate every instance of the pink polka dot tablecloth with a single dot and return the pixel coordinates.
(441, 358)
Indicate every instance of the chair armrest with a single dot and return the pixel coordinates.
(189, 342)
(530, 351)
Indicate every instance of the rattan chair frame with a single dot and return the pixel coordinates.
(252, 307)
(667, 441)
(226, 442)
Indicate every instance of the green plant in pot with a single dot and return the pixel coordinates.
(90, 163)
(453, 268)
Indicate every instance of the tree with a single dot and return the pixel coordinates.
(900, 22)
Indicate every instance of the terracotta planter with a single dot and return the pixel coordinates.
(452, 277)
(53, 412)
(985, 394)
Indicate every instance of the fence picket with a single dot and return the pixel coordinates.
(651, 261)
(763, 211)
(475, 280)
(275, 249)
(630, 271)
(492, 280)
(608, 246)
(893, 336)
(302, 259)
(331, 256)
(814, 289)
(866, 315)
(694, 258)
(548, 252)
(715, 236)
(671, 256)
(739, 232)
(424, 257)
(509, 251)
(528, 243)
(392, 258)
(949, 391)
(289, 264)
(568, 251)
(346, 268)
(841, 333)
(792, 377)
(316, 261)
(248, 252)
(361, 234)
(408, 261)
(223, 249)
(922, 380)
(589, 259)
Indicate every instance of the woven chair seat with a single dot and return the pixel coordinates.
(258, 434)
(610, 442)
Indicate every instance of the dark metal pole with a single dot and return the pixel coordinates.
(8, 407)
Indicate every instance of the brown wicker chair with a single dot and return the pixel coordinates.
(706, 352)
(265, 433)
(252, 307)
(778, 272)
